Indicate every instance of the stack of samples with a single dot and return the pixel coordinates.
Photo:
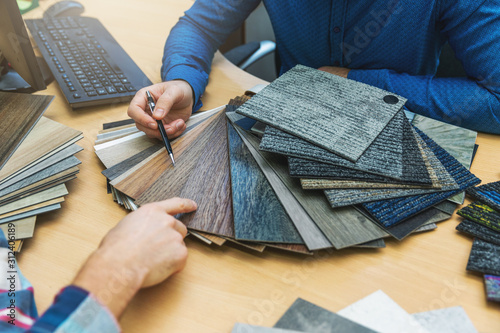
(374, 313)
(36, 162)
(482, 221)
(339, 165)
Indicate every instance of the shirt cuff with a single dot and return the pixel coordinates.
(191, 76)
(75, 310)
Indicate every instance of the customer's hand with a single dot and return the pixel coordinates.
(144, 249)
(174, 104)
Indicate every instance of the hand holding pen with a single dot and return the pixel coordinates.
(161, 128)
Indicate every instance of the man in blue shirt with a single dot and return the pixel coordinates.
(391, 44)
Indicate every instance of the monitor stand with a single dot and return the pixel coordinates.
(13, 82)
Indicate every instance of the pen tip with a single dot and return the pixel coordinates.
(172, 158)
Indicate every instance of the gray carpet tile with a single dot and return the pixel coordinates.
(338, 114)
(480, 231)
(484, 258)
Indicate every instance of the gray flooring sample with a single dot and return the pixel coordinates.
(33, 212)
(307, 317)
(338, 114)
(309, 231)
(380, 313)
(480, 231)
(258, 214)
(447, 320)
(484, 257)
(394, 153)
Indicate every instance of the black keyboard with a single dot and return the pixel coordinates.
(87, 62)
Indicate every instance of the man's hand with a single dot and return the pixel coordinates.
(174, 105)
(144, 249)
(340, 71)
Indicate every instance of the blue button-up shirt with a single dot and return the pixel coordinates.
(391, 44)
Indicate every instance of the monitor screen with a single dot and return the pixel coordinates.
(15, 47)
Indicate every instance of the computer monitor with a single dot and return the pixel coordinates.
(24, 72)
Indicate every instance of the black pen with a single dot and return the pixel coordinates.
(152, 105)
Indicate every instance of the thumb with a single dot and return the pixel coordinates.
(175, 206)
(166, 101)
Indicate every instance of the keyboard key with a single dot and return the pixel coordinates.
(110, 89)
(88, 89)
(130, 88)
(91, 93)
(102, 91)
(121, 89)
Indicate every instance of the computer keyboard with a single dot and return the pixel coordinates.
(87, 62)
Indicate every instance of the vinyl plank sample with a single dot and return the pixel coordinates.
(49, 194)
(393, 211)
(296, 248)
(246, 328)
(248, 245)
(338, 114)
(214, 239)
(313, 237)
(208, 184)
(480, 231)
(61, 166)
(484, 257)
(482, 214)
(487, 193)
(142, 177)
(30, 213)
(258, 214)
(57, 157)
(380, 313)
(120, 168)
(447, 320)
(118, 123)
(121, 150)
(31, 208)
(45, 136)
(307, 317)
(492, 287)
(343, 227)
(18, 114)
(22, 229)
(394, 153)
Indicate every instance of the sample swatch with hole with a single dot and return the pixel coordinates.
(338, 114)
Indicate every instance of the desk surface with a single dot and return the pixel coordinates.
(224, 285)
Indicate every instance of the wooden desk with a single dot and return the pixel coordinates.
(224, 285)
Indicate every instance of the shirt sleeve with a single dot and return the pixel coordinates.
(73, 310)
(192, 42)
(472, 28)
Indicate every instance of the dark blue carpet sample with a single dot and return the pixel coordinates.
(487, 193)
(393, 211)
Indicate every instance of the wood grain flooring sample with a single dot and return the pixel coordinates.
(52, 193)
(313, 237)
(484, 257)
(30, 213)
(447, 320)
(393, 211)
(338, 114)
(487, 193)
(57, 157)
(44, 138)
(482, 214)
(307, 317)
(23, 228)
(33, 207)
(492, 284)
(343, 227)
(258, 214)
(18, 114)
(480, 231)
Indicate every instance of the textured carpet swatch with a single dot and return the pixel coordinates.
(482, 214)
(492, 287)
(484, 258)
(487, 193)
(393, 211)
(338, 114)
(383, 157)
(480, 231)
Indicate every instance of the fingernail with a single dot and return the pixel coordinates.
(194, 204)
(178, 125)
(159, 113)
(152, 125)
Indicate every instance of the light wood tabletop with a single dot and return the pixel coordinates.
(224, 285)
